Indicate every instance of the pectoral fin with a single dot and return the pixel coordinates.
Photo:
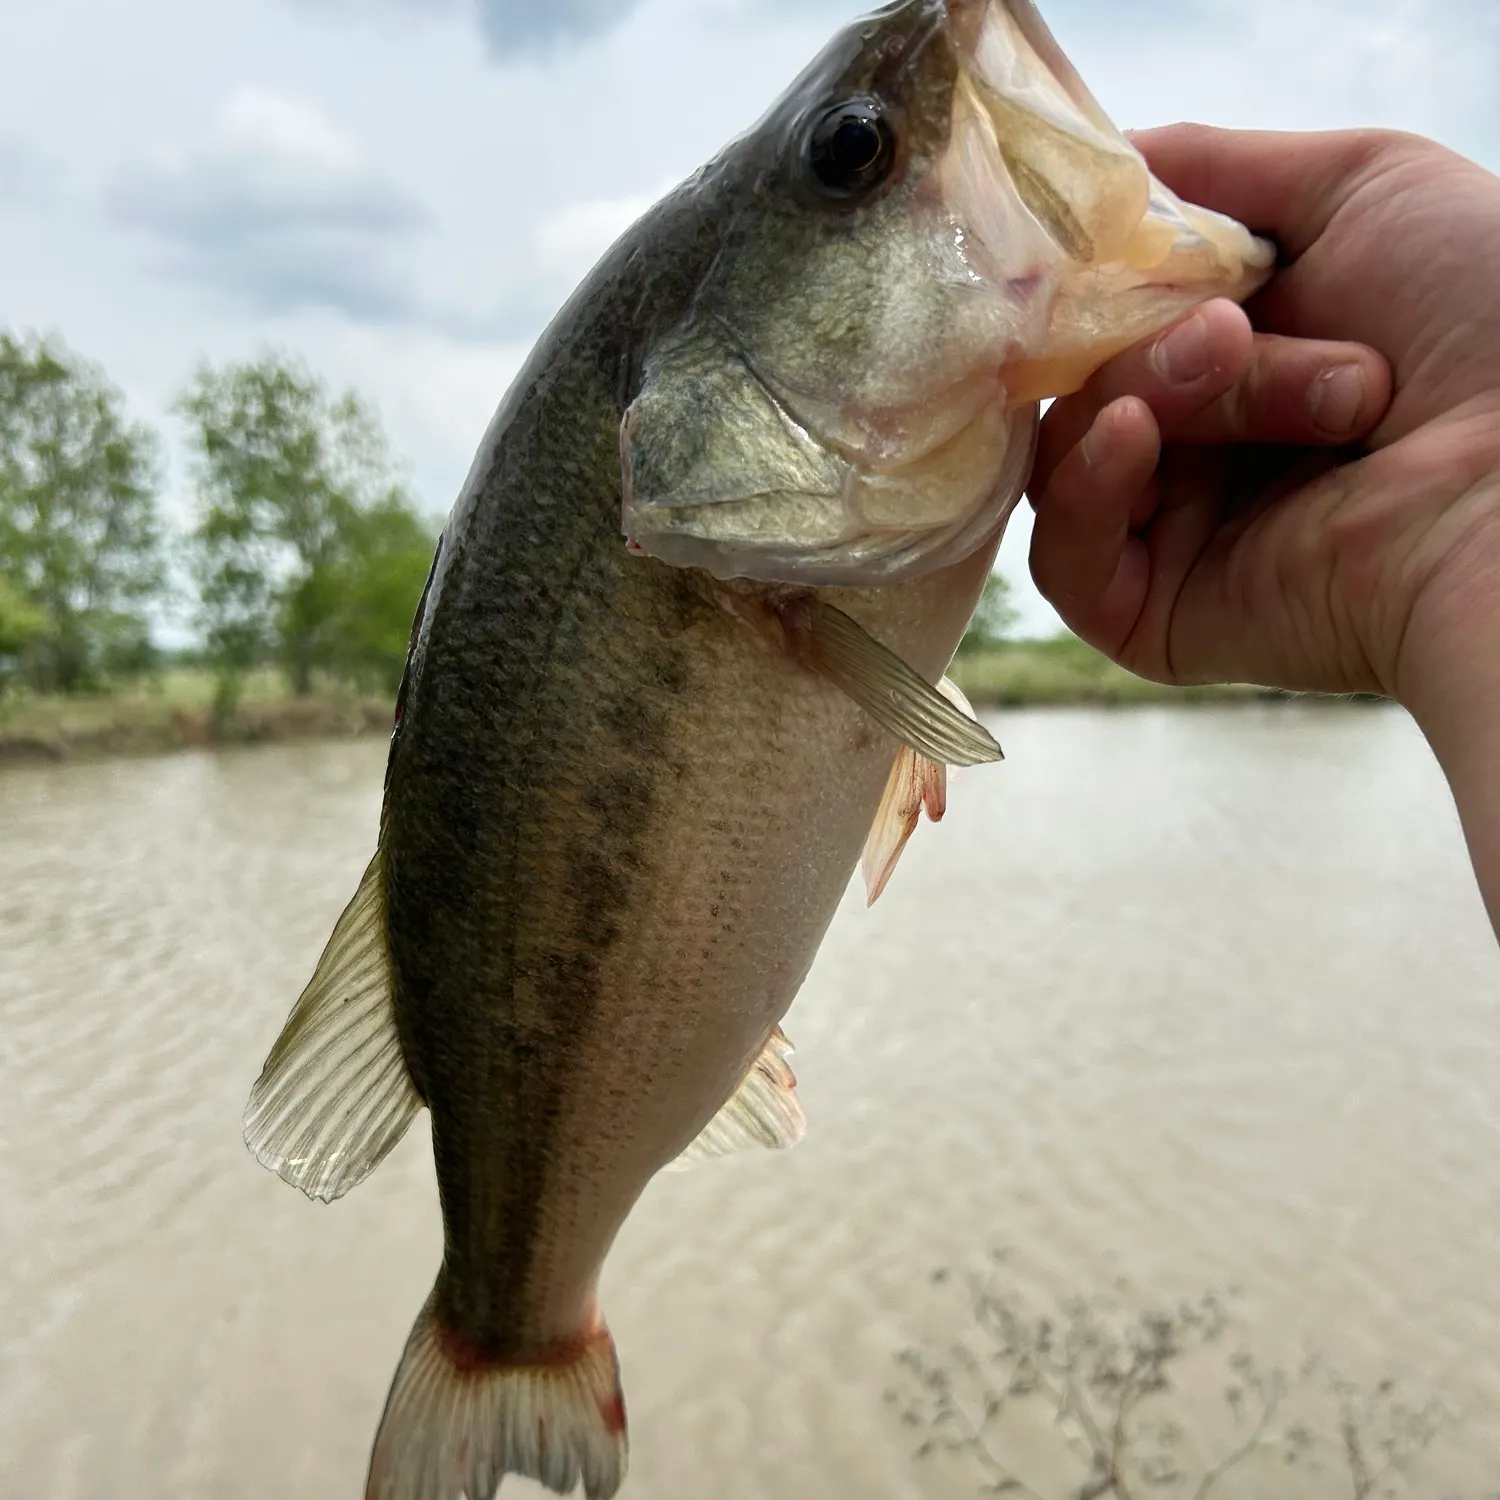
(892, 693)
(915, 783)
(335, 1096)
(762, 1112)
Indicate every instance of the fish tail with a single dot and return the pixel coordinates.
(456, 1423)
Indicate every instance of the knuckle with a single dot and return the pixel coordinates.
(1372, 141)
(1241, 405)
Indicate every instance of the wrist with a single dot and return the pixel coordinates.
(1447, 668)
(1447, 661)
(1449, 680)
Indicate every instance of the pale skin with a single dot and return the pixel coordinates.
(1306, 494)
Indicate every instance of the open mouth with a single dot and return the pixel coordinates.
(1057, 199)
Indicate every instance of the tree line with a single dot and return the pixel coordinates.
(304, 550)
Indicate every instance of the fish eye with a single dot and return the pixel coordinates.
(852, 148)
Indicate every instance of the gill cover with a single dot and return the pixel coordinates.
(721, 473)
(943, 230)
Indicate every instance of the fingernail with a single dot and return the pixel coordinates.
(1182, 356)
(1337, 396)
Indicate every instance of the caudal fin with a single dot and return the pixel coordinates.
(455, 1425)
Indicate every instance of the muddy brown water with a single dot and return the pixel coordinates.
(1180, 998)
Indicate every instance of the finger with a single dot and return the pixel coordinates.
(1282, 183)
(1179, 537)
(1083, 556)
(1178, 374)
(1291, 392)
(1295, 392)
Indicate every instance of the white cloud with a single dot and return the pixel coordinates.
(568, 243)
(276, 207)
(439, 396)
(27, 177)
(1299, 64)
(524, 30)
(522, 26)
(262, 125)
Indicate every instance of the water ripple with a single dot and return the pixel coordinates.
(1189, 999)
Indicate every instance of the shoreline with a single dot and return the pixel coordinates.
(196, 731)
(175, 713)
(1063, 672)
(165, 720)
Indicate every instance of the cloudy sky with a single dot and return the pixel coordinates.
(402, 191)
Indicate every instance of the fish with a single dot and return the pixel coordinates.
(680, 663)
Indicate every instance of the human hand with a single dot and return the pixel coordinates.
(1220, 527)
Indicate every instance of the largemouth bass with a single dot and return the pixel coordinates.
(678, 653)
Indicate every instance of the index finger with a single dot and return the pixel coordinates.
(1286, 184)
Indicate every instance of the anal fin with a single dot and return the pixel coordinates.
(335, 1095)
(762, 1112)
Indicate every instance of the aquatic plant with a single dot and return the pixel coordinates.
(1091, 1400)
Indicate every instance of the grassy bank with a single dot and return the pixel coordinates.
(174, 712)
(1065, 671)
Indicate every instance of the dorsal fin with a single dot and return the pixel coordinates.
(335, 1095)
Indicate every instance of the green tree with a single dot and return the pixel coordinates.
(80, 528)
(21, 623)
(378, 585)
(291, 480)
(994, 619)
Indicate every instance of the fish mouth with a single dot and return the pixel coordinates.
(1059, 203)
